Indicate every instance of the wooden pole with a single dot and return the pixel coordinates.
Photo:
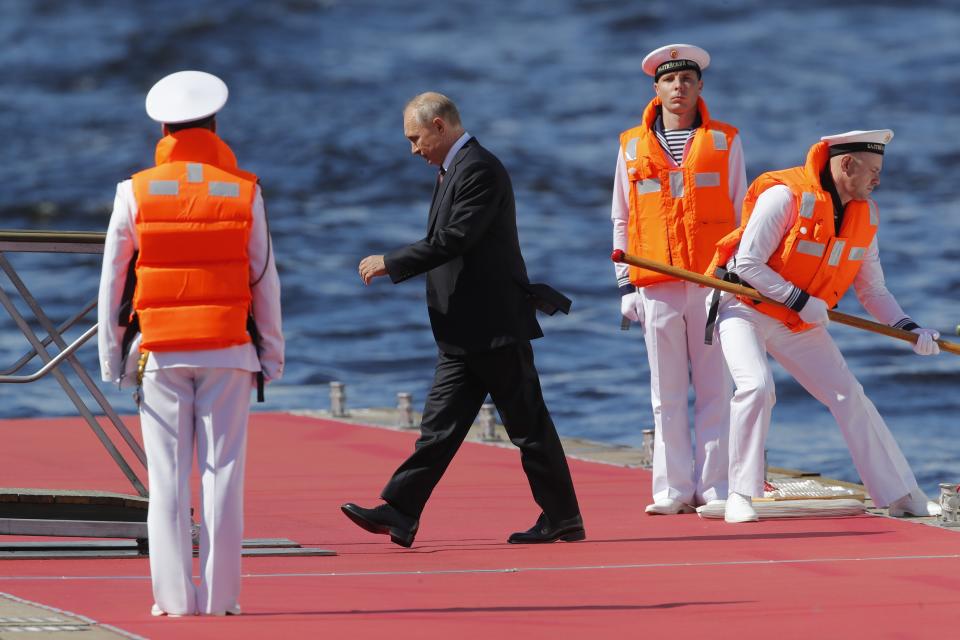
(739, 289)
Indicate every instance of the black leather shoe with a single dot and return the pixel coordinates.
(569, 530)
(384, 519)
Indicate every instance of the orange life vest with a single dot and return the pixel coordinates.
(195, 212)
(812, 255)
(677, 214)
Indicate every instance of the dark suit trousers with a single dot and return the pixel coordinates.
(460, 386)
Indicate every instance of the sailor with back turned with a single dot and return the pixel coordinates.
(192, 230)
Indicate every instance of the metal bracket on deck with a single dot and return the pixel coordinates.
(62, 242)
(259, 547)
(67, 513)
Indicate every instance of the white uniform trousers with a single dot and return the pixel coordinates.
(674, 320)
(207, 406)
(813, 359)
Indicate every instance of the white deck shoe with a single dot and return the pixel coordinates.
(739, 509)
(668, 507)
(157, 611)
(914, 504)
(232, 611)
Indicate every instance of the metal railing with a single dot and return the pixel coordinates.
(62, 242)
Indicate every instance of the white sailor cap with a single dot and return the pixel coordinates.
(873, 141)
(675, 57)
(186, 96)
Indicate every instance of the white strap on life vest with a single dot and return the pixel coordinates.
(194, 172)
(836, 253)
(223, 189)
(707, 179)
(719, 140)
(164, 188)
(676, 184)
(811, 248)
(807, 200)
(648, 186)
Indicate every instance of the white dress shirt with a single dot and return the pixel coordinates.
(122, 242)
(462, 140)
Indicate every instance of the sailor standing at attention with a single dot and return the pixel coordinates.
(188, 240)
(679, 184)
(807, 234)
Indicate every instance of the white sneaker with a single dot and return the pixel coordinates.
(157, 611)
(914, 504)
(668, 507)
(231, 611)
(739, 509)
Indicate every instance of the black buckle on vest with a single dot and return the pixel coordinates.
(727, 276)
(255, 338)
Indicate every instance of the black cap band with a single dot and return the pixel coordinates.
(853, 147)
(671, 66)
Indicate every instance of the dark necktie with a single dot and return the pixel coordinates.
(436, 187)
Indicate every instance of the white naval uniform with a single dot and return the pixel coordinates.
(192, 397)
(674, 322)
(811, 357)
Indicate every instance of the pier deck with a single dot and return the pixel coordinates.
(866, 576)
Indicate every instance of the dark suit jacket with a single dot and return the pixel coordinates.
(476, 278)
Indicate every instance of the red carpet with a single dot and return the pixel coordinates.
(635, 576)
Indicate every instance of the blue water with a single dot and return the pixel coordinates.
(317, 88)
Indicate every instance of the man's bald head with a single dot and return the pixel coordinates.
(431, 123)
(427, 106)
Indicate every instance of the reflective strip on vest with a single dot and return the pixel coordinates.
(676, 184)
(719, 140)
(836, 253)
(225, 189)
(164, 188)
(874, 214)
(711, 179)
(807, 200)
(631, 149)
(194, 172)
(856, 253)
(648, 186)
(811, 248)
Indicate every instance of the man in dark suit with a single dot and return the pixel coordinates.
(482, 311)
